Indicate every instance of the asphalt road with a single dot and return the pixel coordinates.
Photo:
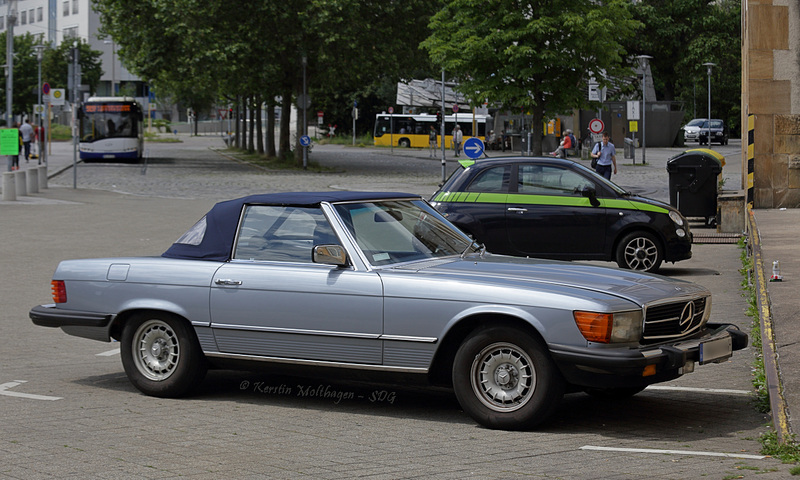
(68, 411)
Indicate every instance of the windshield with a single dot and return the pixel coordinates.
(402, 230)
(695, 123)
(99, 121)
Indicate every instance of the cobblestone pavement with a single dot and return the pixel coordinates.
(68, 411)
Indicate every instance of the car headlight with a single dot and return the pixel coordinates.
(676, 217)
(610, 327)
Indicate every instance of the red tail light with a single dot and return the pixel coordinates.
(59, 290)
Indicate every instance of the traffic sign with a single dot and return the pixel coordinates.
(596, 125)
(391, 109)
(455, 107)
(305, 140)
(473, 147)
(45, 88)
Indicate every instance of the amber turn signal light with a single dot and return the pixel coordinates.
(59, 290)
(595, 327)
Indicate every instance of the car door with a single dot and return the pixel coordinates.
(549, 216)
(272, 301)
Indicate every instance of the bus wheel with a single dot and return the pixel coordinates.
(404, 142)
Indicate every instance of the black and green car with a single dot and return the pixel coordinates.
(553, 208)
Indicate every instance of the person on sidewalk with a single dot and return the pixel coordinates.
(606, 156)
(27, 136)
(457, 138)
(561, 151)
(432, 140)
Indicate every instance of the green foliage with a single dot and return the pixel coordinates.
(761, 401)
(538, 56)
(787, 452)
(681, 36)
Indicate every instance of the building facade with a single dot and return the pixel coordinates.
(771, 102)
(57, 21)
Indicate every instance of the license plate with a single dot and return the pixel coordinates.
(715, 351)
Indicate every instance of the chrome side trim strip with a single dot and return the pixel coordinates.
(317, 363)
(325, 333)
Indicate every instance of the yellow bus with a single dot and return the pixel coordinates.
(408, 130)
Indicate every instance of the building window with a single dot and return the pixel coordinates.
(30, 16)
(2, 23)
(74, 7)
(39, 14)
(24, 18)
(66, 8)
(71, 32)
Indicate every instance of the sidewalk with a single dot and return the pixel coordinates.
(773, 237)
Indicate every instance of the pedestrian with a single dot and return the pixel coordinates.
(457, 137)
(27, 136)
(572, 139)
(561, 151)
(15, 158)
(606, 156)
(432, 140)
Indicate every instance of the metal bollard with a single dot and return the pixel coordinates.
(9, 189)
(42, 177)
(32, 175)
(19, 180)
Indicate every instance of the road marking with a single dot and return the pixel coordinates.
(701, 390)
(5, 386)
(108, 353)
(674, 452)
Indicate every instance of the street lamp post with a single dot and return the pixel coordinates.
(643, 62)
(113, 66)
(39, 55)
(709, 65)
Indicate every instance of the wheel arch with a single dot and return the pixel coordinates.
(441, 367)
(118, 324)
(638, 227)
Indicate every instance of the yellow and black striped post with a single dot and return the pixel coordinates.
(751, 121)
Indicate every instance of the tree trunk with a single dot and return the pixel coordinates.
(286, 110)
(245, 105)
(259, 127)
(251, 147)
(298, 149)
(271, 131)
(236, 112)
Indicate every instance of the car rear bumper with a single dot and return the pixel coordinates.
(613, 368)
(91, 325)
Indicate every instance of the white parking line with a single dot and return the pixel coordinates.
(5, 386)
(701, 390)
(674, 452)
(108, 353)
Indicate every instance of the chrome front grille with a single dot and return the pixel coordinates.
(673, 320)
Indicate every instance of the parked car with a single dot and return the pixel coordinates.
(552, 208)
(691, 131)
(381, 282)
(718, 130)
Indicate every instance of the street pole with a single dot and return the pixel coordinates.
(444, 161)
(75, 103)
(643, 59)
(709, 65)
(39, 54)
(305, 123)
(11, 19)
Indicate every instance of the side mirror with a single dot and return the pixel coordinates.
(329, 255)
(591, 194)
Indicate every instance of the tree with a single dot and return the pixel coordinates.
(681, 35)
(536, 56)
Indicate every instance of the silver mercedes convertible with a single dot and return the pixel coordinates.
(382, 282)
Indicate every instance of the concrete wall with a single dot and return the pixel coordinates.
(771, 92)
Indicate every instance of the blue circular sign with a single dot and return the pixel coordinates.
(305, 140)
(473, 147)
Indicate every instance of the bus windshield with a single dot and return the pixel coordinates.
(99, 121)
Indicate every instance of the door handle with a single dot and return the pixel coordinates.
(517, 210)
(227, 281)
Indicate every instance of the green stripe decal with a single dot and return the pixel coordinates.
(522, 199)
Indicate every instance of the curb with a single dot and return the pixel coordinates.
(777, 402)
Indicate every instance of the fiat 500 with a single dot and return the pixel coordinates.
(382, 282)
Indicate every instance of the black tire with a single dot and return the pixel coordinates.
(618, 393)
(505, 379)
(404, 142)
(161, 355)
(640, 251)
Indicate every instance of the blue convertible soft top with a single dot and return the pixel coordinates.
(215, 240)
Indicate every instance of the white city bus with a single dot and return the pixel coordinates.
(111, 128)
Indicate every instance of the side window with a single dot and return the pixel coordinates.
(492, 180)
(550, 180)
(281, 234)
